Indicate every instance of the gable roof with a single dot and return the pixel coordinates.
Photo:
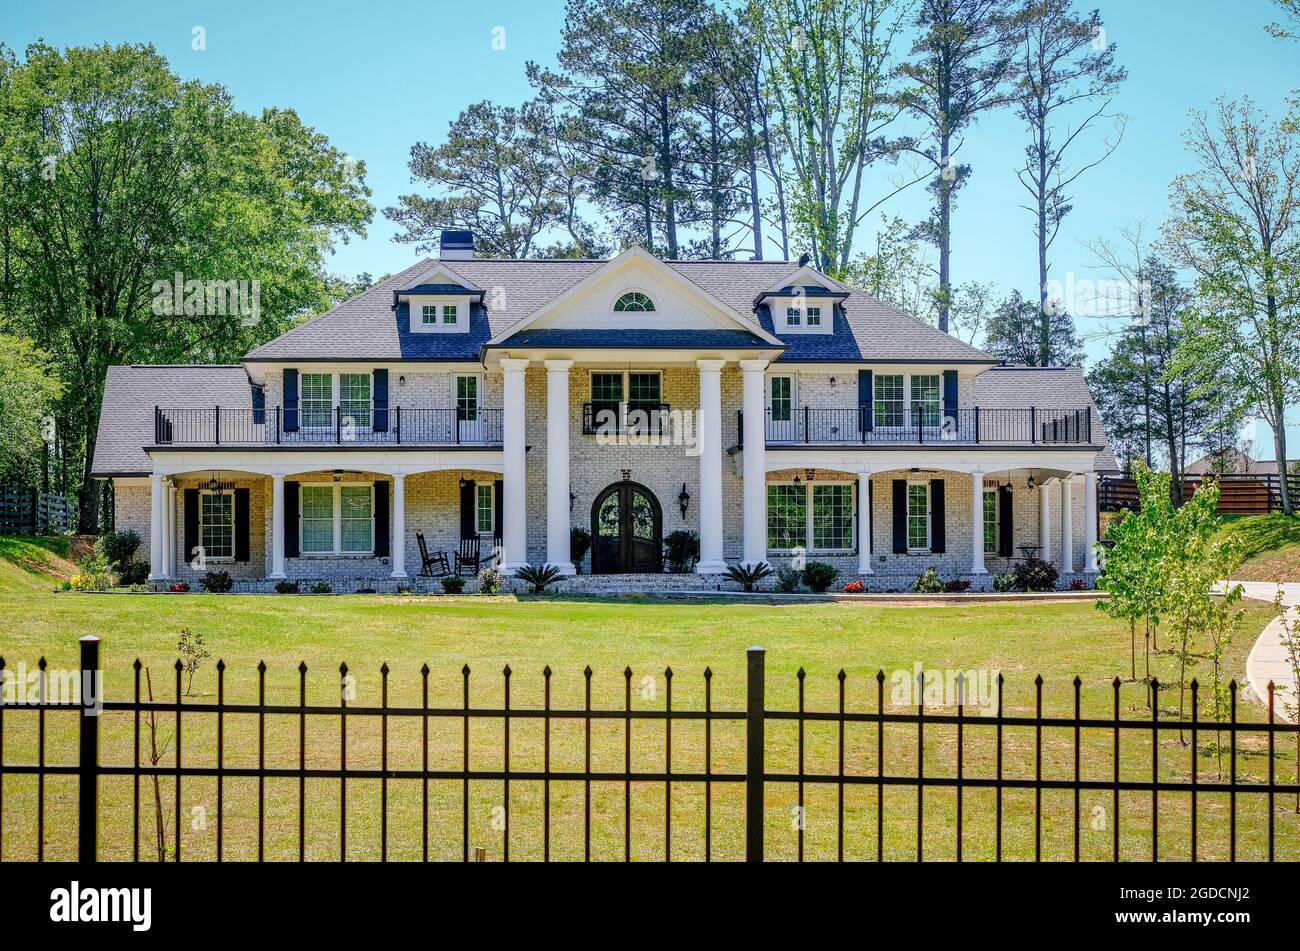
(126, 423)
(368, 328)
(1052, 388)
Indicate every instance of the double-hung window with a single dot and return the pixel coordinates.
(918, 516)
(925, 399)
(217, 525)
(990, 522)
(354, 400)
(787, 517)
(484, 509)
(317, 399)
(337, 519)
(889, 399)
(832, 516)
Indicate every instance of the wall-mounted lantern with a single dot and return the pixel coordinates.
(684, 499)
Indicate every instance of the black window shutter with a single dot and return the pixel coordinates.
(290, 526)
(900, 516)
(938, 530)
(379, 394)
(381, 520)
(191, 523)
(865, 396)
(498, 508)
(259, 405)
(467, 522)
(1004, 521)
(241, 524)
(950, 395)
(291, 401)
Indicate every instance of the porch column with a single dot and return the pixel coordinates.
(277, 526)
(1044, 521)
(558, 516)
(1067, 526)
(977, 524)
(711, 560)
(864, 522)
(1090, 521)
(514, 508)
(169, 532)
(398, 542)
(158, 499)
(755, 470)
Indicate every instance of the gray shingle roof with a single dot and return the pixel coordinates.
(637, 338)
(1059, 388)
(367, 328)
(130, 394)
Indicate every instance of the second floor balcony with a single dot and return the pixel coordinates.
(922, 426)
(276, 426)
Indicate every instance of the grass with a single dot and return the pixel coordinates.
(1056, 640)
(1271, 544)
(33, 563)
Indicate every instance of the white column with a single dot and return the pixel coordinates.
(864, 523)
(1044, 521)
(977, 524)
(514, 537)
(158, 500)
(277, 526)
(558, 517)
(711, 560)
(1090, 521)
(755, 469)
(169, 532)
(1067, 527)
(398, 542)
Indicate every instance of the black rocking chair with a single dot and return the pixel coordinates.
(431, 566)
(467, 559)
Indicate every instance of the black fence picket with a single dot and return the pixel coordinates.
(756, 777)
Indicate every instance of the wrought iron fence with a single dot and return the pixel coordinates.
(972, 426)
(274, 426)
(755, 778)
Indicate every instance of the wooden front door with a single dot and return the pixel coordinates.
(626, 530)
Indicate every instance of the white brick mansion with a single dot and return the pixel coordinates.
(468, 406)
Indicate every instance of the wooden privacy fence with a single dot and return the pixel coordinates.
(33, 512)
(1239, 493)
(998, 777)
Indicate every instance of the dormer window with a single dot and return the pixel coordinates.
(441, 313)
(448, 313)
(792, 316)
(814, 316)
(429, 314)
(634, 302)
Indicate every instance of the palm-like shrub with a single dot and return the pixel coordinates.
(539, 576)
(788, 578)
(748, 577)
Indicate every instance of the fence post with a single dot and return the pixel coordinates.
(88, 759)
(754, 741)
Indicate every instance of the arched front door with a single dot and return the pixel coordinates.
(626, 530)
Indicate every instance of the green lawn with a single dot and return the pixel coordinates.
(1056, 640)
(1271, 544)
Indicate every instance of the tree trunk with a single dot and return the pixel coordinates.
(1279, 449)
(1044, 318)
(755, 209)
(666, 156)
(945, 244)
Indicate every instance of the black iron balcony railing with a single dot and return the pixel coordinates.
(972, 426)
(629, 417)
(276, 426)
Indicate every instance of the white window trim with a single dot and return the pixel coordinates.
(627, 381)
(808, 535)
(432, 307)
(794, 392)
(997, 519)
(929, 518)
(336, 395)
(492, 494)
(234, 520)
(909, 419)
(777, 307)
(807, 315)
(337, 520)
(416, 307)
(633, 290)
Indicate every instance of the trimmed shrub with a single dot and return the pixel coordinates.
(1034, 574)
(217, 582)
(1078, 584)
(490, 580)
(928, 582)
(322, 587)
(819, 576)
(119, 548)
(453, 584)
(285, 586)
(133, 573)
(788, 578)
(1004, 582)
(94, 573)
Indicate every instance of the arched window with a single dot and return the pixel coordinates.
(634, 302)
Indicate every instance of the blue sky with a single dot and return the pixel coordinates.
(377, 77)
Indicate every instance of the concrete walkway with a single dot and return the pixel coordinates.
(1268, 659)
